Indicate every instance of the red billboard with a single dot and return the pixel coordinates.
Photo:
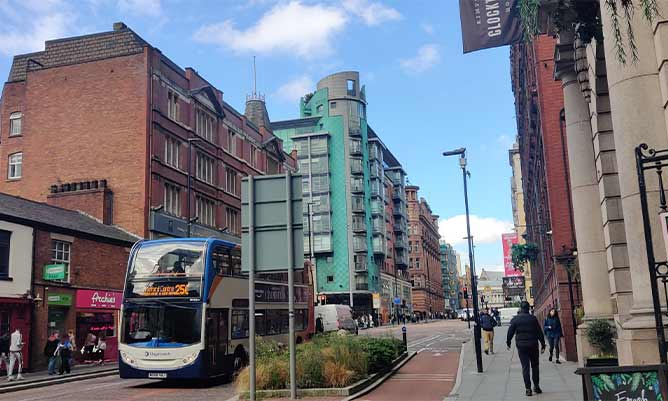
(508, 240)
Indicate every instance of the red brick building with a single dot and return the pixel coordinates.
(545, 179)
(111, 107)
(424, 260)
(77, 265)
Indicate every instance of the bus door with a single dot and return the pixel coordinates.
(216, 338)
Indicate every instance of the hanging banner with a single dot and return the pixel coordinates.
(489, 23)
(508, 241)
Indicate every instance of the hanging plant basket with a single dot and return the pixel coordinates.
(523, 254)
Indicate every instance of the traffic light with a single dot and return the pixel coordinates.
(466, 293)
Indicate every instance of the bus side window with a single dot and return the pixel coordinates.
(235, 261)
(221, 261)
(239, 324)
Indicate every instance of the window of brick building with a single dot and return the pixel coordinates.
(253, 156)
(204, 124)
(5, 236)
(15, 168)
(232, 144)
(231, 181)
(205, 166)
(15, 120)
(60, 255)
(172, 201)
(205, 211)
(173, 152)
(232, 217)
(173, 105)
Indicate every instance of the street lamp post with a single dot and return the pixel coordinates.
(188, 212)
(461, 152)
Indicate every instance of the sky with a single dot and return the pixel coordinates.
(424, 95)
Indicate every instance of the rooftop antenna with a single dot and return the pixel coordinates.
(255, 95)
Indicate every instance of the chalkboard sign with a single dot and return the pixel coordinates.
(632, 386)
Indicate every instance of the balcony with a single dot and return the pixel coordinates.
(399, 194)
(362, 286)
(356, 166)
(359, 246)
(355, 131)
(356, 188)
(361, 267)
(399, 227)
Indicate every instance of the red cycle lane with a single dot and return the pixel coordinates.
(429, 376)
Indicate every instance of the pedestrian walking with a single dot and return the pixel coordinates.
(73, 341)
(64, 351)
(15, 355)
(319, 326)
(487, 323)
(50, 352)
(89, 344)
(553, 332)
(497, 316)
(528, 333)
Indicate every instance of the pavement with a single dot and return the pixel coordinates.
(502, 376)
(42, 378)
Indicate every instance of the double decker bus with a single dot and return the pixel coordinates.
(185, 310)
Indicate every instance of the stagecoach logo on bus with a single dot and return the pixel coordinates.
(157, 354)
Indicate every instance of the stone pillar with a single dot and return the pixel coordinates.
(586, 208)
(637, 117)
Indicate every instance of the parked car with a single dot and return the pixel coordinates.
(464, 317)
(507, 314)
(336, 317)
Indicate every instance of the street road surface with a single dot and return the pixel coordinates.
(438, 343)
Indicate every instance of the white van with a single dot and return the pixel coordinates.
(336, 317)
(507, 314)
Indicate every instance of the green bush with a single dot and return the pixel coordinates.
(329, 360)
(601, 334)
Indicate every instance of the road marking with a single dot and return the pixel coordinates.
(70, 391)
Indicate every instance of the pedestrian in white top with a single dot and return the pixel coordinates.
(15, 347)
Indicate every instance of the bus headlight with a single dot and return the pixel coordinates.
(128, 359)
(190, 358)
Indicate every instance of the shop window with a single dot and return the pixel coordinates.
(100, 324)
(4, 322)
(5, 236)
(61, 253)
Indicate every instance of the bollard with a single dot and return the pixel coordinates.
(403, 331)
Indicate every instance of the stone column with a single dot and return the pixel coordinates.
(637, 117)
(586, 202)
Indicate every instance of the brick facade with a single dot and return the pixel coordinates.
(96, 107)
(546, 186)
(424, 247)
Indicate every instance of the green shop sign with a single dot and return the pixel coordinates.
(54, 272)
(59, 299)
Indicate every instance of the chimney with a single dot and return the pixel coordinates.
(93, 198)
(119, 26)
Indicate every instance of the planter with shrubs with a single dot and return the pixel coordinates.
(327, 361)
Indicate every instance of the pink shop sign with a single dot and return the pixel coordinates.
(99, 299)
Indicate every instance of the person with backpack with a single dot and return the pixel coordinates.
(528, 333)
(553, 332)
(64, 352)
(487, 323)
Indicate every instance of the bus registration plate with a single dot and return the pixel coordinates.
(154, 375)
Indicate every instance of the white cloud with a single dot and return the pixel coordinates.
(25, 37)
(293, 90)
(506, 141)
(485, 230)
(427, 28)
(373, 13)
(142, 8)
(427, 56)
(287, 27)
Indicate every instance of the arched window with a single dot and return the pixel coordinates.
(15, 120)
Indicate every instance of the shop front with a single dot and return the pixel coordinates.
(15, 314)
(97, 313)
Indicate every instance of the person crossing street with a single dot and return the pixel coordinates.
(528, 333)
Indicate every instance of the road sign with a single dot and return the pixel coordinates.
(270, 225)
(397, 301)
(376, 300)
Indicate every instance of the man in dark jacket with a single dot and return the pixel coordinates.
(528, 333)
(487, 323)
(50, 352)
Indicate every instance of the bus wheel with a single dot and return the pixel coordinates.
(240, 359)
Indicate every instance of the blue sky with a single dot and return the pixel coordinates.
(424, 95)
